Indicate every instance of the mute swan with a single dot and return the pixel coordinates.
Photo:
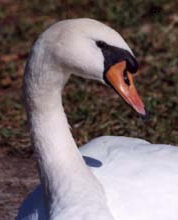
(127, 178)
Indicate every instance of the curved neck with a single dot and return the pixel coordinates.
(65, 178)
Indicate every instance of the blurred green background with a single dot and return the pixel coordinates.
(151, 29)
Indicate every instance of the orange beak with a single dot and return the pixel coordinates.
(125, 87)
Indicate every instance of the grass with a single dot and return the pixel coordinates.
(151, 29)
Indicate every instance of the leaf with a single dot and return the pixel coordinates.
(12, 57)
(6, 82)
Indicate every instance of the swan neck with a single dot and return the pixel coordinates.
(65, 178)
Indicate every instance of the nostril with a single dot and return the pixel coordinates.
(126, 79)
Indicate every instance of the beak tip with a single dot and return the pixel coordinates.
(145, 116)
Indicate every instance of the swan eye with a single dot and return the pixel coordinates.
(126, 79)
(101, 44)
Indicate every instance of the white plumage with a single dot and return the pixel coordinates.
(127, 178)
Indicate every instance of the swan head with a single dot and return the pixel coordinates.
(90, 49)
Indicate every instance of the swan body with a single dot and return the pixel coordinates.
(139, 178)
(119, 178)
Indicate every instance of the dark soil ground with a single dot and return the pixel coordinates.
(17, 178)
(151, 29)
